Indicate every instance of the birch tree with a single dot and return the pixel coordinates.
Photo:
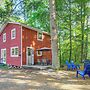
(54, 34)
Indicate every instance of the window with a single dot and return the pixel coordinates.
(39, 36)
(3, 55)
(39, 53)
(4, 37)
(13, 33)
(14, 52)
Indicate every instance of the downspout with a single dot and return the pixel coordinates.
(21, 46)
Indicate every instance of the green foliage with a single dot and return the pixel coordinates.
(5, 10)
(38, 14)
(63, 14)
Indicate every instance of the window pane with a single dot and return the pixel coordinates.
(4, 53)
(29, 51)
(13, 33)
(12, 51)
(16, 51)
(39, 35)
(4, 37)
(39, 53)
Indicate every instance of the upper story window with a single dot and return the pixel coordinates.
(14, 51)
(13, 33)
(39, 36)
(4, 37)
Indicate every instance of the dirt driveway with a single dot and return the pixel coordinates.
(15, 79)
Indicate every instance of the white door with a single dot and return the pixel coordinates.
(3, 55)
(30, 56)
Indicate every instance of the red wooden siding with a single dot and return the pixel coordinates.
(11, 43)
(29, 39)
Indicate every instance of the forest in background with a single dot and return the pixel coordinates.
(72, 18)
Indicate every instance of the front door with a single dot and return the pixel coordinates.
(3, 55)
(30, 56)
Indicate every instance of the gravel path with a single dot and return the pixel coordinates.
(41, 80)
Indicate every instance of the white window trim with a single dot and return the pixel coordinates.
(1, 51)
(11, 51)
(4, 35)
(38, 36)
(39, 54)
(14, 29)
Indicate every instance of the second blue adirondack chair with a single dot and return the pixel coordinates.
(86, 71)
(75, 66)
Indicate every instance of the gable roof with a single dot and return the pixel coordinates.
(31, 28)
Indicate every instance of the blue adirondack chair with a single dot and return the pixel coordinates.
(69, 66)
(86, 71)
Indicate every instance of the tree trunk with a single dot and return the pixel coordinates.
(82, 32)
(86, 44)
(54, 34)
(60, 62)
(70, 57)
(82, 29)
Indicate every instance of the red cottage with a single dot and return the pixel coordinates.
(19, 44)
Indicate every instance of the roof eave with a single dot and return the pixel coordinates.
(38, 30)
